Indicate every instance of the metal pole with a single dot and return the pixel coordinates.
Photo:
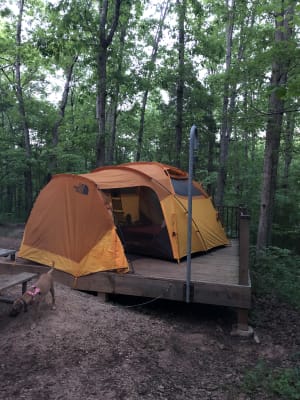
(193, 146)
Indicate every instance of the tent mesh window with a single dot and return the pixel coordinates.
(181, 188)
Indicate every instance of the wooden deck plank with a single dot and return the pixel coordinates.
(218, 266)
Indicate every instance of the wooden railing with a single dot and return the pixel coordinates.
(244, 239)
(236, 221)
(229, 217)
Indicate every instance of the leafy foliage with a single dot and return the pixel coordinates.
(275, 272)
(281, 382)
(55, 32)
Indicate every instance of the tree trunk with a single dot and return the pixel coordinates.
(105, 38)
(164, 10)
(226, 125)
(210, 123)
(288, 148)
(283, 33)
(101, 104)
(61, 115)
(181, 9)
(141, 126)
(210, 160)
(115, 100)
(22, 114)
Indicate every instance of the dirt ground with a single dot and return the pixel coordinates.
(121, 350)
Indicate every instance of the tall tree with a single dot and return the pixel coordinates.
(115, 96)
(117, 81)
(107, 28)
(181, 10)
(226, 122)
(22, 110)
(61, 113)
(149, 73)
(288, 148)
(284, 20)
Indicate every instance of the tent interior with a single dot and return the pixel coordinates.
(140, 222)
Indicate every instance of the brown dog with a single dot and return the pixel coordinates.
(35, 294)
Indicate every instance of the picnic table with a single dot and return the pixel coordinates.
(9, 280)
(8, 252)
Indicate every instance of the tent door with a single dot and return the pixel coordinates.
(118, 211)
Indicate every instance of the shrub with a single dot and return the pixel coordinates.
(276, 271)
(283, 382)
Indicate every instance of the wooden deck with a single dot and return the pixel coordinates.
(214, 278)
(219, 277)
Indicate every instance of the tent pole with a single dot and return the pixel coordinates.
(193, 146)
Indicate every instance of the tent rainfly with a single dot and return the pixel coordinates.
(86, 223)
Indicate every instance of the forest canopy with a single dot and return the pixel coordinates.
(85, 83)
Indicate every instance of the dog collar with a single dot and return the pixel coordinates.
(33, 291)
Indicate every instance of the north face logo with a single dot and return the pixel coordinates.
(82, 189)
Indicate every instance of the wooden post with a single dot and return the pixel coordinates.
(24, 287)
(103, 297)
(244, 250)
(242, 314)
(242, 320)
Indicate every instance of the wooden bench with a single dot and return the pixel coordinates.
(9, 280)
(8, 252)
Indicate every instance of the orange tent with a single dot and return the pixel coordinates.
(86, 223)
(71, 228)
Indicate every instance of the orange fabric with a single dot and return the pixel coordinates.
(71, 220)
(207, 231)
(80, 217)
(106, 255)
(132, 175)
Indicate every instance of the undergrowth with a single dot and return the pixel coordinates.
(276, 272)
(284, 383)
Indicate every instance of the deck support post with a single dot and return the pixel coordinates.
(242, 328)
(103, 297)
(242, 319)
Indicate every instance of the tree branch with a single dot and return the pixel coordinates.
(63, 102)
(114, 23)
(6, 76)
(287, 110)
